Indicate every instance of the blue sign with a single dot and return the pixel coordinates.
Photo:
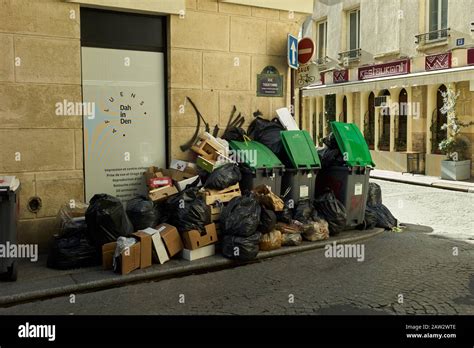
(292, 51)
(460, 42)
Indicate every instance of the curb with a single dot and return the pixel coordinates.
(433, 185)
(157, 273)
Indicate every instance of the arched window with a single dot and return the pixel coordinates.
(438, 119)
(330, 110)
(369, 122)
(401, 125)
(384, 125)
(344, 109)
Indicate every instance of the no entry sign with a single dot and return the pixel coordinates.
(305, 50)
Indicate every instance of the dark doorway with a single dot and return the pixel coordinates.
(330, 110)
(438, 119)
(401, 141)
(369, 122)
(384, 125)
(344, 109)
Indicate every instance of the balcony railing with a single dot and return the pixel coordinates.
(350, 56)
(433, 36)
(322, 61)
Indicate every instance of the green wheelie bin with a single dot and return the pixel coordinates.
(349, 181)
(258, 165)
(301, 166)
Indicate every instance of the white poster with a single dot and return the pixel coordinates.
(124, 119)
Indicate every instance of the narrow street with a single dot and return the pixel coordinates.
(412, 272)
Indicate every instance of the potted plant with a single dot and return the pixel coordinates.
(457, 165)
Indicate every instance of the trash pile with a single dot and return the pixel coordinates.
(246, 192)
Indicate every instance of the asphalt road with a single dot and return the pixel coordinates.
(401, 273)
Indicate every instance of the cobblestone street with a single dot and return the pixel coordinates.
(402, 273)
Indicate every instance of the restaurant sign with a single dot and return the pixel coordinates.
(438, 61)
(399, 67)
(339, 76)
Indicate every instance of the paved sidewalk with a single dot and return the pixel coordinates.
(36, 281)
(423, 180)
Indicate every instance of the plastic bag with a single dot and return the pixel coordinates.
(267, 221)
(188, 211)
(286, 215)
(291, 239)
(382, 216)
(374, 195)
(330, 141)
(234, 133)
(241, 216)
(285, 228)
(370, 218)
(106, 220)
(331, 210)
(330, 157)
(241, 248)
(70, 213)
(122, 244)
(268, 199)
(270, 241)
(316, 230)
(268, 133)
(71, 249)
(141, 212)
(223, 177)
(303, 212)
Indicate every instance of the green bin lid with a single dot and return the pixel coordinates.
(352, 143)
(300, 149)
(260, 157)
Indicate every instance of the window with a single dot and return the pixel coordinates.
(438, 19)
(322, 40)
(354, 32)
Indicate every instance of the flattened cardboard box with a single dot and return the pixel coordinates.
(193, 239)
(129, 259)
(145, 248)
(171, 239)
(162, 193)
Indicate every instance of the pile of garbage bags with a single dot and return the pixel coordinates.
(377, 214)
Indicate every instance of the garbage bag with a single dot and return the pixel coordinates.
(286, 215)
(383, 217)
(374, 195)
(330, 157)
(223, 177)
(285, 228)
(71, 249)
(268, 221)
(188, 211)
(316, 230)
(331, 210)
(268, 133)
(370, 218)
(241, 248)
(241, 216)
(291, 239)
(270, 241)
(268, 199)
(330, 141)
(303, 212)
(234, 133)
(141, 212)
(106, 220)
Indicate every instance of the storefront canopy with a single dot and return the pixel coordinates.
(415, 79)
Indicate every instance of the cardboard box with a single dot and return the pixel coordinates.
(193, 239)
(192, 255)
(162, 193)
(151, 173)
(129, 259)
(171, 239)
(160, 254)
(162, 181)
(145, 248)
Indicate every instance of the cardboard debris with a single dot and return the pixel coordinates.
(171, 239)
(162, 193)
(129, 258)
(194, 240)
(192, 255)
(145, 248)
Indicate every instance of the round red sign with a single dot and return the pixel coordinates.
(305, 50)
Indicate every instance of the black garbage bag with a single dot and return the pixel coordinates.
(241, 216)
(234, 133)
(268, 133)
(106, 220)
(286, 215)
(241, 248)
(330, 157)
(331, 210)
(268, 221)
(188, 211)
(71, 249)
(304, 212)
(370, 218)
(141, 212)
(223, 177)
(374, 195)
(383, 216)
(330, 141)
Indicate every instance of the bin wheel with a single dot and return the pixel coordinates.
(12, 274)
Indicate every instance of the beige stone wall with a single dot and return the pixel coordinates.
(40, 66)
(216, 52)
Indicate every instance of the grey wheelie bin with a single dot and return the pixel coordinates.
(349, 181)
(9, 207)
(299, 179)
